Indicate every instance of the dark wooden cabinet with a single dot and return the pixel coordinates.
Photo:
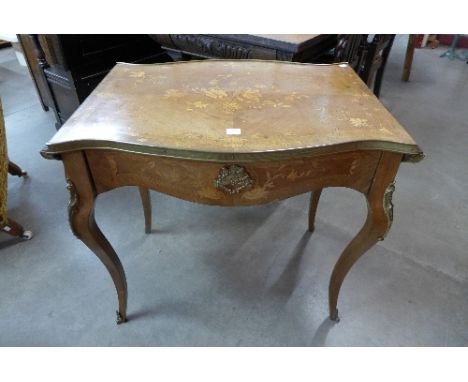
(283, 47)
(66, 68)
(366, 54)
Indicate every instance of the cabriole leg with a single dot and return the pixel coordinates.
(83, 224)
(378, 222)
(14, 169)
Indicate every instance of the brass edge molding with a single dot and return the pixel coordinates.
(73, 205)
(48, 155)
(50, 152)
(234, 61)
(233, 179)
(388, 207)
(413, 158)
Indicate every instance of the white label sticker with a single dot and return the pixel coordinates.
(233, 131)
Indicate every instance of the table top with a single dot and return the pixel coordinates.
(232, 110)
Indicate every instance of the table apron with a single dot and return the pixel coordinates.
(195, 180)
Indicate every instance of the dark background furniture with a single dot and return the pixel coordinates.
(283, 47)
(367, 55)
(66, 68)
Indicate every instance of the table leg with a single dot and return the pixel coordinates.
(84, 226)
(409, 57)
(15, 229)
(314, 199)
(14, 169)
(378, 222)
(146, 201)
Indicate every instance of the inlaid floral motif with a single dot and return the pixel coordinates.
(358, 122)
(259, 96)
(140, 74)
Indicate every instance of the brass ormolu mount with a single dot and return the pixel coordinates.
(233, 179)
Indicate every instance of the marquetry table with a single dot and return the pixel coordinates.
(231, 133)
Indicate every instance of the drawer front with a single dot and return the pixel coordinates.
(231, 183)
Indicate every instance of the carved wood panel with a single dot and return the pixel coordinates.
(211, 47)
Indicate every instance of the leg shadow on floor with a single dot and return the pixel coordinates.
(287, 281)
(321, 333)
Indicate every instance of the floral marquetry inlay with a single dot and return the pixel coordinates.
(229, 101)
(358, 122)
